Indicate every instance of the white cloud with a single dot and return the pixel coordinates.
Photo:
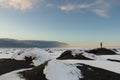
(71, 7)
(17, 4)
(101, 12)
(82, 6)
(99, 7)
(50, 5)
(68, 7)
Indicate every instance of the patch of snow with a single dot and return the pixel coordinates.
(87, 55)
(76, 52)
(108, 65)
(12, 75)
(39, 55)
(93, 56)
(116, 57)
(8, 52)
(2, 56)
(57, 70)
(118, 50)
(56, 54)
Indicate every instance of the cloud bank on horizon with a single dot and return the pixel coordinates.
(98, 7)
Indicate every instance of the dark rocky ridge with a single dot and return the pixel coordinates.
(94, 73)
(101, 51)
(88, 73)
(36, 73)
(68, 55)
(8, 65)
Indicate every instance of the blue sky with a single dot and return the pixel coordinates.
(83, 23)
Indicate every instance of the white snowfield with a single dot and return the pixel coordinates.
(7, 53)
(56, 54)
(12, 75)
(4, 56)
(107, 65)
(39, 56)
(55, 70)
(88, 55)
(115, 57)
(59, 69)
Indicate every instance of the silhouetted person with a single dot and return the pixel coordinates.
(101, 45)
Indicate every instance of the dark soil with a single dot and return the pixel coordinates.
(113, 60)
(8, 65)
(68, 55)
(93, 73)
(88, 73)
(35, 74)
(115, 50)
(101, 51)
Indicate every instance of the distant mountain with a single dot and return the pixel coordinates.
(13, 43)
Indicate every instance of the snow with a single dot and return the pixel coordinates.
(108, 65)
(56, 70)
(76, 52)
(96, 57)
(59, 69)
(5, 55)
(56, 54)
(116, 57)
(88, 55)
(40, 55)
(116, 51)
(7, 52)
(93, 56)
(12, 75)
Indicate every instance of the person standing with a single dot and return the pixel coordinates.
(101, 45)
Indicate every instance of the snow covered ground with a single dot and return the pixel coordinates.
(59, 69)
(116, 57)
(107, 65)
(8, 52)
(56, 70)
(39, 56)
(12, 75)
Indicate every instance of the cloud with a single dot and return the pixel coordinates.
(99, 7)
(17, 4)
(101, 12)
(71, 7)
(68, 7)
(49, 5)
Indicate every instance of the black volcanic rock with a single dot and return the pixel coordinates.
(88, 73)
(12, 43)
(8, 65)
(114, 60)
(68, 55)
(101, 51)
(94, 73)
(36, 73)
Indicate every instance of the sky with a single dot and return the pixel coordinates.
(83, 23)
